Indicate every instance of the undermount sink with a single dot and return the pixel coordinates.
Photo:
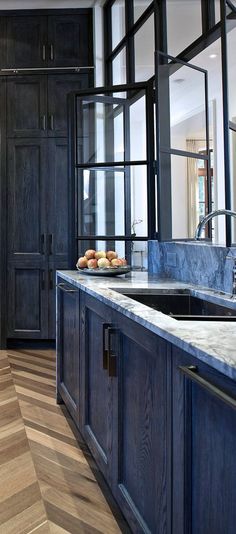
(182, 305)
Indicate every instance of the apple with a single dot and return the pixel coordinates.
(100, 254)
(124, 261)
(82, 262)
(103, 262)
(90, 254)
(111, 255)
(116, 262)
(92, 264)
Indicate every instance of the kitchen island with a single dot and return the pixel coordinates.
(154, 399)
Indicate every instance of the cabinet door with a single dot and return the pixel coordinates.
(204, 444)
(68, 339)
(26, 206)
(27, 315)
(70, 40)
(140, 427)
(96, 385)
(26, 239)
(26, 41)
(58, 89)
(26, 106)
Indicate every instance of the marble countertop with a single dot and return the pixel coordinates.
(213, 342)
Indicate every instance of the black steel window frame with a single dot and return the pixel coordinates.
(211, 31)
(147, 87)
(127, 42)
(165, 151)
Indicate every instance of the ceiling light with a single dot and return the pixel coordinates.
(179, 80)
(212, 56)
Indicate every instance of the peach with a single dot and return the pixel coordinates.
(116, 262)
(82, 262)
(103, 262)
(100, 254)
(111, 255)
(92, 264)
(124, 261)
(90, 254)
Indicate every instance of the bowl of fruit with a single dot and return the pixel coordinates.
(101, 263)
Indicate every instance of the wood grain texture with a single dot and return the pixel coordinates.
(49, 482)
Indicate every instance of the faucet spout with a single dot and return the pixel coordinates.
(210, 216)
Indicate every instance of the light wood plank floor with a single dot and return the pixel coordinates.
(49, 483)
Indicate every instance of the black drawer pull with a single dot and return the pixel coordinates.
(191, 372)
(51, 52)
(67, 289)
(51, 279)
(42, 243)
(51, 121)
(50, 244)
(44, 52)
(112, 360)
(105, 327)
(43, 280)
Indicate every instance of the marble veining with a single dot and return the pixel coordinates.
(213, 342)
(193, 262)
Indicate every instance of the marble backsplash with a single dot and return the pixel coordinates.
(203, 264)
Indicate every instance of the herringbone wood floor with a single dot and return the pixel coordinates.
(49, 483)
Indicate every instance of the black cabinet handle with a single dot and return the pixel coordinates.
(67, 289)
(112, 366)
(42, 243)
(51, 52)
(44, 52)
(50, 244)
(50, 278)
(44, 122)
(191, 372)
(43, 280)
(51, 121)
(105, 327)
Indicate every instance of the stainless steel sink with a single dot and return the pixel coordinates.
(184, 306)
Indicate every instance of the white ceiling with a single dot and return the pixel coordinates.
(48, 4)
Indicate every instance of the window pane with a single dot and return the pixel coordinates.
(139, 256)
(119, 68)
(101, 202)
(184, 24)
(217, 11)
(101, 126)
(189, 193)
(182, 103)
(144, 53)
(118, 22)
(233, 179)
(139, 7)
(138, 190)
(138, 129)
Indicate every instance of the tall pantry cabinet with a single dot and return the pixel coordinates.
(40, 55)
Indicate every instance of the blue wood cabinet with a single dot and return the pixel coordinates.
(204, 445)
(160, 424)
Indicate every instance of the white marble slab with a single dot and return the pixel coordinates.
(213, 342)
